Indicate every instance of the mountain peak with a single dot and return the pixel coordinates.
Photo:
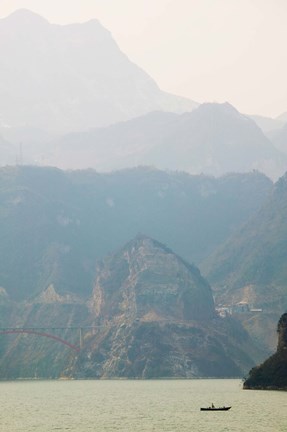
(142, 239)
(214, 107)
(72, 77)
(22, 17)
(156, 280)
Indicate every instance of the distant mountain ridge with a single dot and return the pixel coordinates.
(267, 124)
(213, 139)
(62, 221)
(71, 77)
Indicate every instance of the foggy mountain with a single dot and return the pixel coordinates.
(251, 265)
(267, 124)
(279, 139)
(255, 256)
(63, 78)
(73, 80)
(213, 139)
(55, 224)
(55, 229)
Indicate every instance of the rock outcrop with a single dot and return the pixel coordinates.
(272, 374)
(150, 315)
(156, 318)
(147, 279)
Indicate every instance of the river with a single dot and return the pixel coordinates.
(139, 406)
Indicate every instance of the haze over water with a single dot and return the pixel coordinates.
(133, 406)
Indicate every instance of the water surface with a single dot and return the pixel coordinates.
(134, 406)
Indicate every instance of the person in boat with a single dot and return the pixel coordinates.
(212, 406)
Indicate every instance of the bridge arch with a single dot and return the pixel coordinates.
(40, 333)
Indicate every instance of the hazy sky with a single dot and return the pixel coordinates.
(207, 50)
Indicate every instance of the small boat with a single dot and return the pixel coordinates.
(213, 408)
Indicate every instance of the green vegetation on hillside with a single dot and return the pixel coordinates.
(54, 225)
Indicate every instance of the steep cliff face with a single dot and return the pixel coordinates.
(272, 374)
(150, 315)
(156, 349)
(156, 318)
(146, 278)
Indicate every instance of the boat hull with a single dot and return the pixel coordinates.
(215, 409)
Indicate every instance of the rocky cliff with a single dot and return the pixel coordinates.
(272, 374)
(156, 318)
(150, 315)
(146, 278)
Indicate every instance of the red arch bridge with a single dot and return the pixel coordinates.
(47, 332)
